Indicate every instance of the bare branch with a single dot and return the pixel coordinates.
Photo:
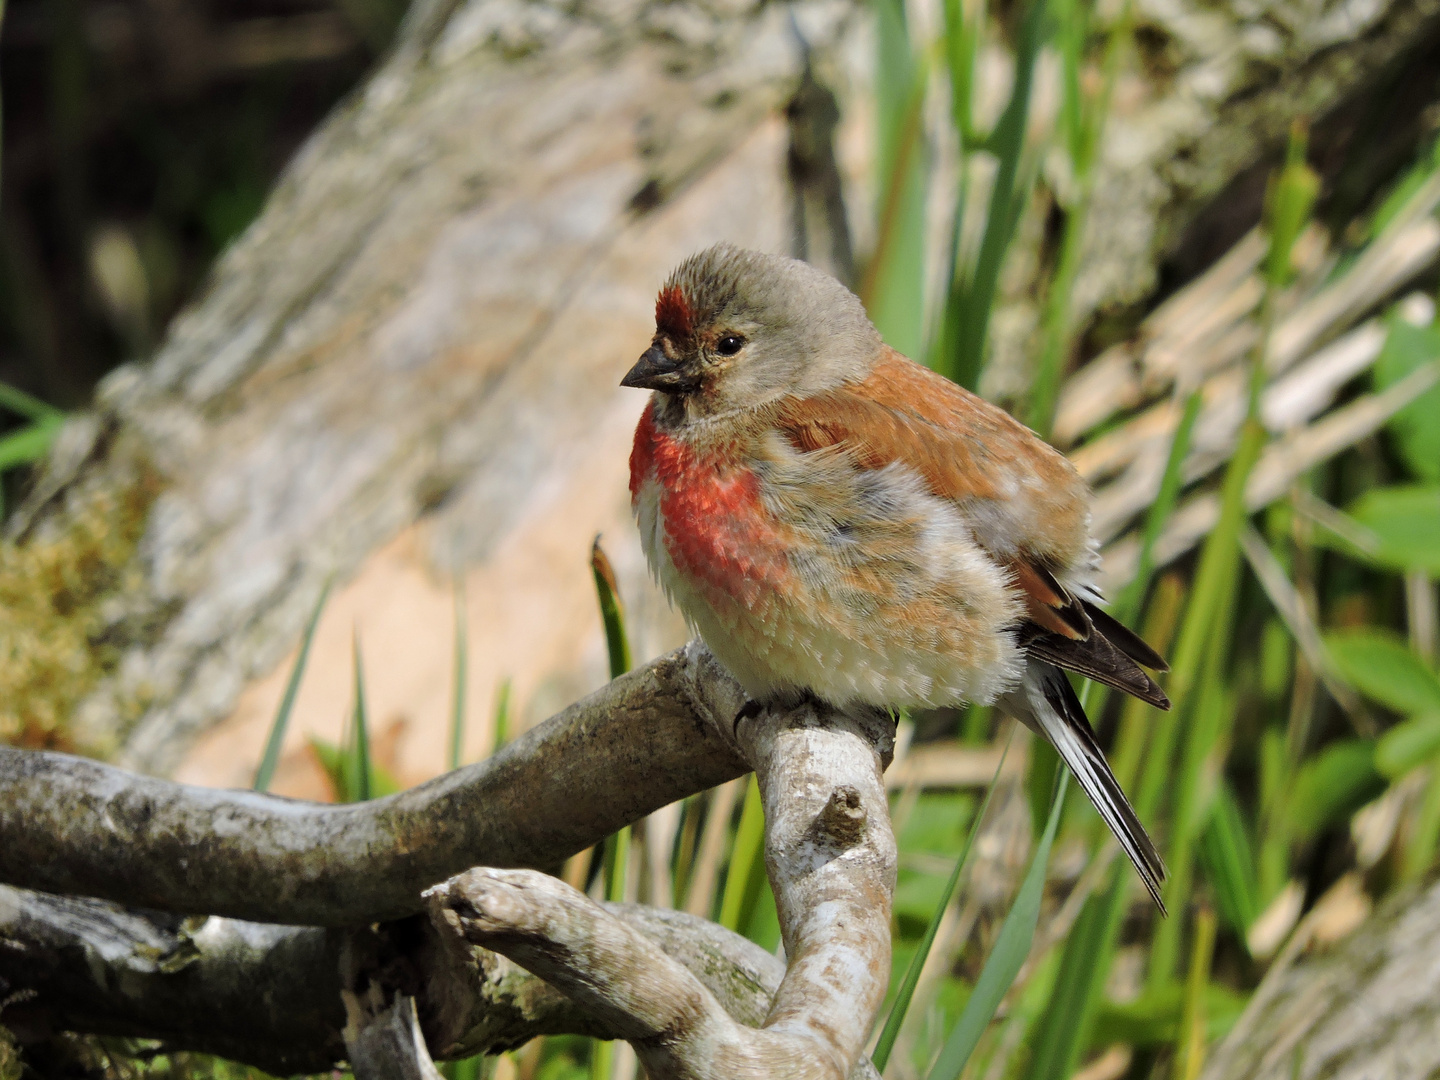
(269, 995)
(76, 826)
(272, 995)
(831, 857)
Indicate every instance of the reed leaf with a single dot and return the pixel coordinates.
(1011, 948)
(271, 758)
(906, 991)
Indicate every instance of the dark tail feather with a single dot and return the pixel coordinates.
(1100, 659)
(1060, 718)
(1125, 639)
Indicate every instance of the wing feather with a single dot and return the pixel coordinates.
(1098, 658)
(1024, 502)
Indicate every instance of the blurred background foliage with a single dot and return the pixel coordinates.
(1296, 783)
(141, 137)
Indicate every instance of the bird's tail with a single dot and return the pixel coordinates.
(1046, 702)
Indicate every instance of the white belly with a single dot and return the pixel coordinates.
(852, 622)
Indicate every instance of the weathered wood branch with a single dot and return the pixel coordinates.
(668, 729)
(76, 826)
(831, 857)
(271, 995)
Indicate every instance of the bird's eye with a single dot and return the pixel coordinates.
(730, 344)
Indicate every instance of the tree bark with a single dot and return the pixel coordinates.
(829, 851)
(271, 995)
(1364, 1008)
(647, 739)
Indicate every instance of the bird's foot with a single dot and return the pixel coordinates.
(749, 711)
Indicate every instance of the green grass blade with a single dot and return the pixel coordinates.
(462, 666)
(611, 613)
(742, 881)
(1330, 786)
(266, 772)
(26, 405)
(1128, 604)
(962, 53)
(906, 992)
(1064, 1029)
(338, 762)
(501, 725)
(1420, 852)
(1219, 564)
(617, 848)
(1206, 712)
(1208, 723)
(361, 749)
(1007, 142)
(617, 864)
(1204, 637)
(1084, 123)
(892, 285)
(1190, 1054)
(1229, 861)
(1077, 997)
(471, 1068)
(1006, 958)
(30, 443)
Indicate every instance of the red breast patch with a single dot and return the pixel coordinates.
(717, 529)
(642, 452)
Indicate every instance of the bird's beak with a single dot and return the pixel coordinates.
(656, 371)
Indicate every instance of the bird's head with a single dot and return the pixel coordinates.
(738, 329)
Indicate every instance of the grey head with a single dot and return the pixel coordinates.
(737, 329)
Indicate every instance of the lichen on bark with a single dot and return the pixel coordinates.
(64, 617)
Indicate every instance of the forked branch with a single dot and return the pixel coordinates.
(671, 987)
(831, 856)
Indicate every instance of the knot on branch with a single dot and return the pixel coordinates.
(841, 821)
(480, 904)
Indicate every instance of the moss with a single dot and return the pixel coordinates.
(58, 589)
(9, 1056)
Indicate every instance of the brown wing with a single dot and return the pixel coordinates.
(1021, 495)
(1076, 635)
(1050, 606)
(1028, 506)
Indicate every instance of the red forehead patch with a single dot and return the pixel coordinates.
(672, 313)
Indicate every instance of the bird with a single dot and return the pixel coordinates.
(841, 524)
